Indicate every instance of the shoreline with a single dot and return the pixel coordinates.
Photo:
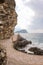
(18, 58)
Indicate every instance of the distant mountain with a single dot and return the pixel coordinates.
(22, 31)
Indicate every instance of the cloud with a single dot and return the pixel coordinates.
(25, 14)
(30, 14)
(35, 4)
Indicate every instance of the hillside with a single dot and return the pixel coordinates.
(22, 31)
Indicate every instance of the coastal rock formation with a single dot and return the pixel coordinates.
(3, 56)
(36, 50)
(23, 45)
(20, 43)
(8, 18)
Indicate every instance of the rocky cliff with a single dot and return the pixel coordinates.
(8, 18)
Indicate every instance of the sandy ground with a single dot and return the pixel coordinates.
(18, 58)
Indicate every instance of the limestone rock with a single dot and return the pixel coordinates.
(8, 18)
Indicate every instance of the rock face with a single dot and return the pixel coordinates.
(8, 18)
(20, 43)
(3, 56)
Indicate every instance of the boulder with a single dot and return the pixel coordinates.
(20, 43)
(36, 50)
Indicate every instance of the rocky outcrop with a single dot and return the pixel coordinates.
(23, 45)
(8, 18)
(20, 43)
(36, 50)
(3, 56)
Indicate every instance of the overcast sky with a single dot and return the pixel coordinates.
(30, 15)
